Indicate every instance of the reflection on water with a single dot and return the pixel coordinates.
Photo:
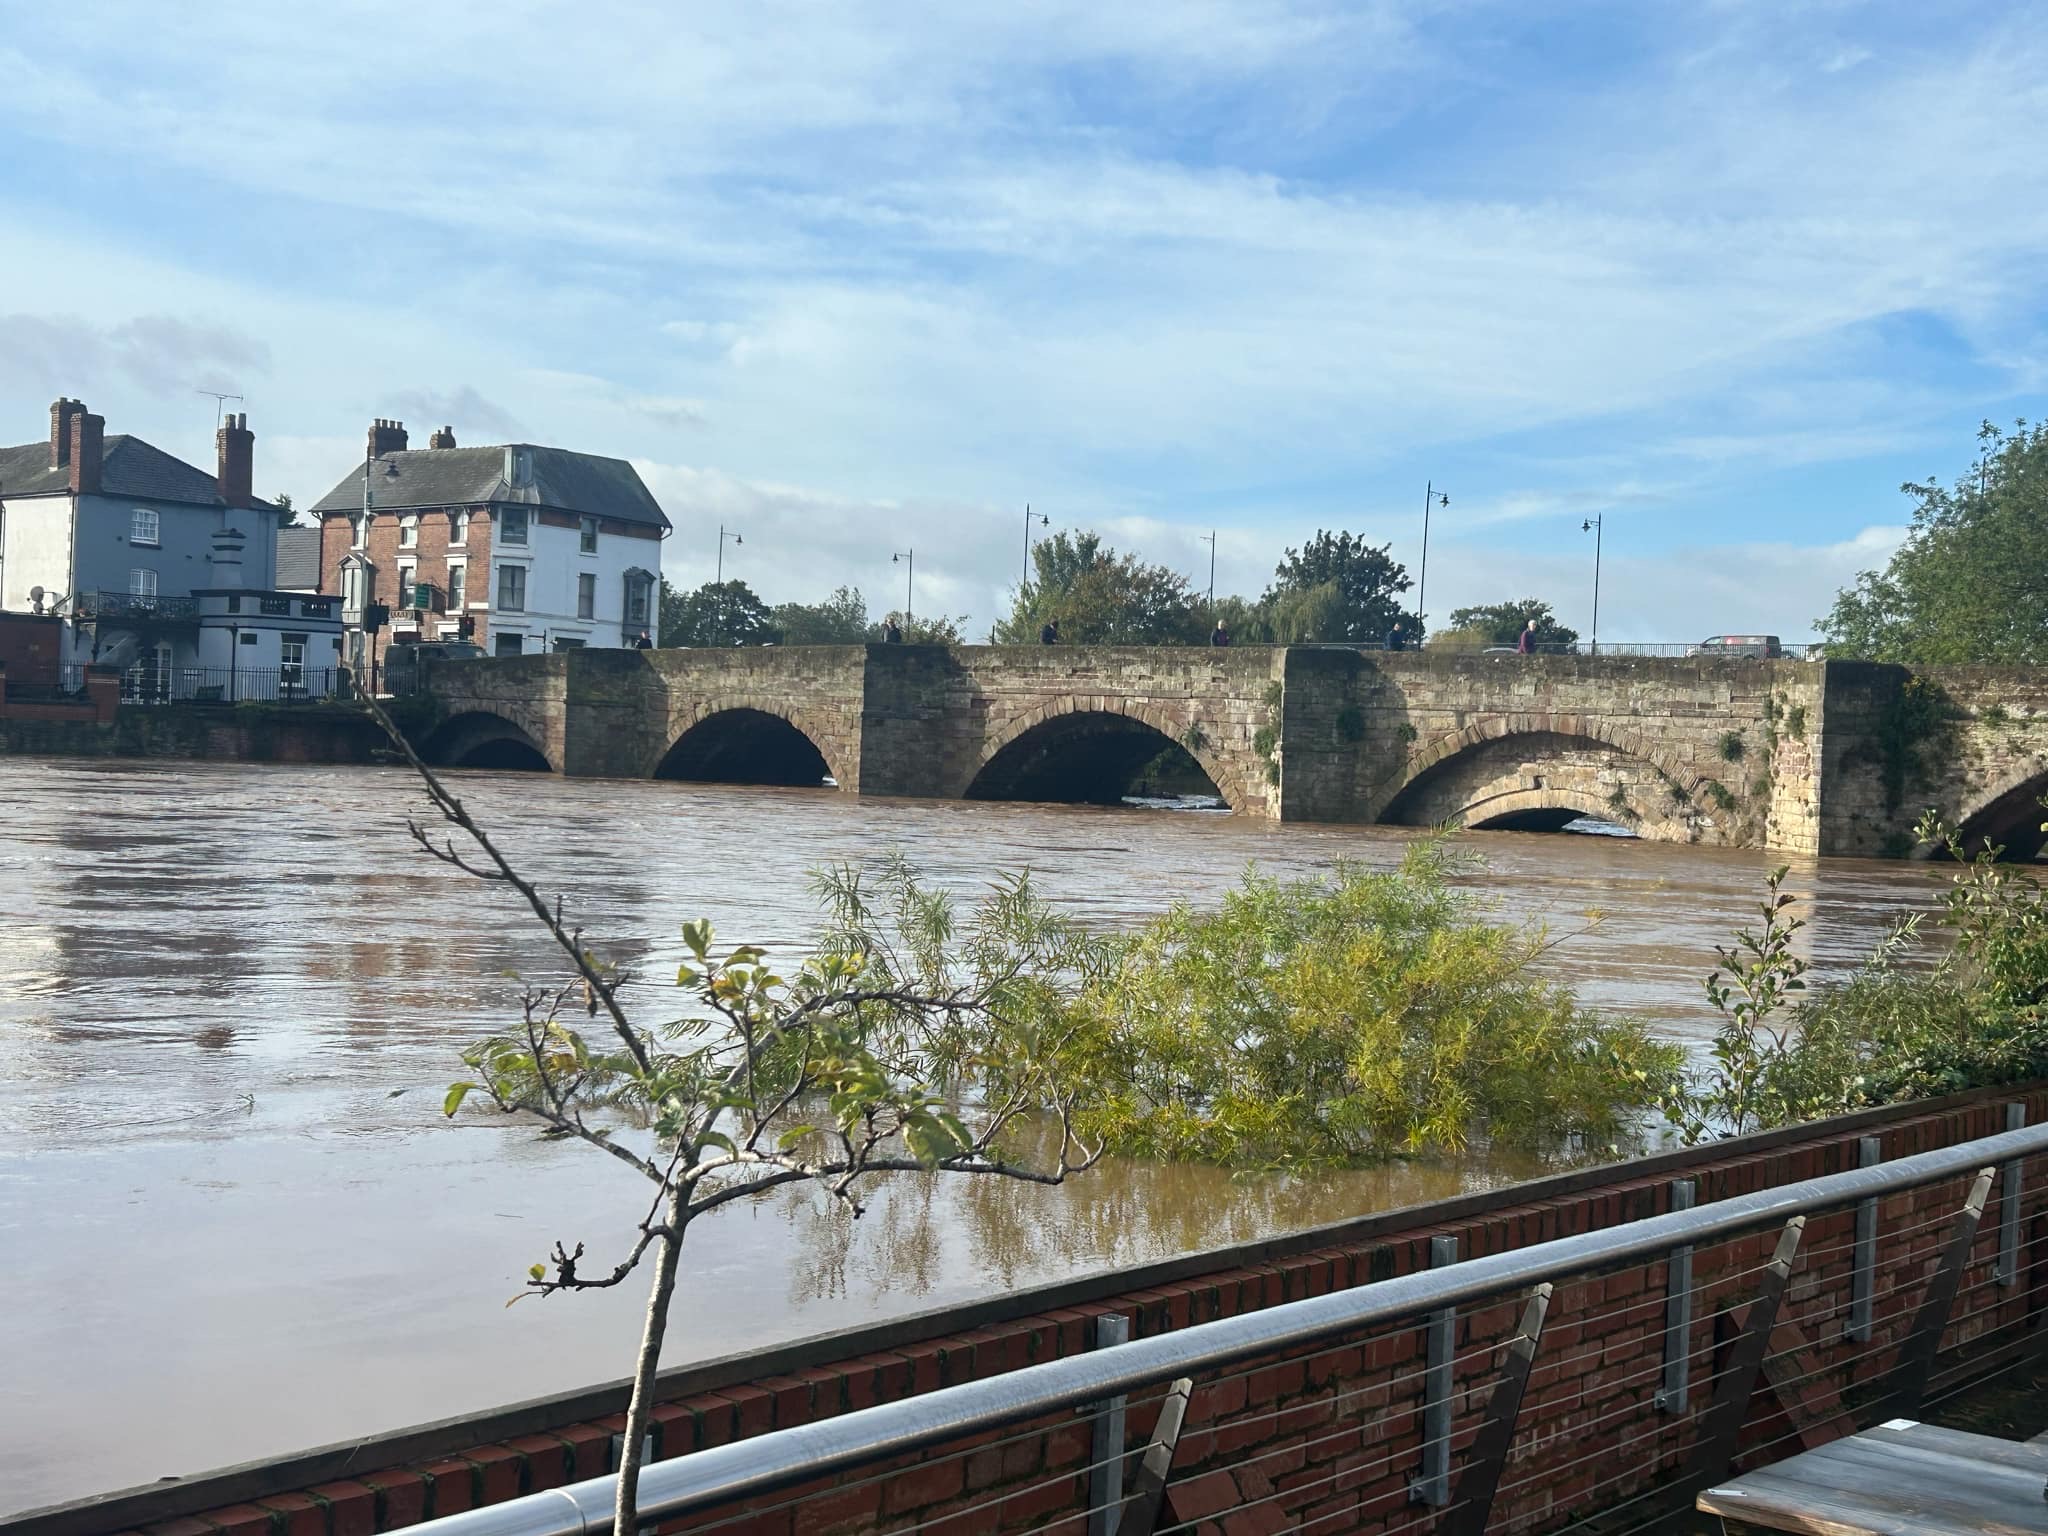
(214, 980)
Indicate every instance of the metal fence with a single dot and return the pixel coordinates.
(148, 684)
(1652, 648)
(1604, 1377)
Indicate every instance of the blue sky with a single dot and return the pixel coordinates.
(857, 277)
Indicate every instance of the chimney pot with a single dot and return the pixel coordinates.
(386, 437)
(445, 438)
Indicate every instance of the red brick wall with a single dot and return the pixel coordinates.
(1326, 1441)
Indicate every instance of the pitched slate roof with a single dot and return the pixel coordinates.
(128, 467)
(453, 477)
(298, 559)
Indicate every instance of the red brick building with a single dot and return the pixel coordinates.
(519, 547)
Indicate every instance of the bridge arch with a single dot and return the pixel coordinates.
(2008, 816)
(1088, 751)
(748, 739)
(1542, 771)
(482, 738)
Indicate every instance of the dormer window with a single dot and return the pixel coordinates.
(512, 525)
(144, 526)
(408, 530)
(458, 529)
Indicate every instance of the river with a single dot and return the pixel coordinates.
(235, 1224)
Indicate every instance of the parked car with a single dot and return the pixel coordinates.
(1765, 647)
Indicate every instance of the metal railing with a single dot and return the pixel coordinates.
(145, 683)
(1667, 1393)
(135, 608)
(1671, 649)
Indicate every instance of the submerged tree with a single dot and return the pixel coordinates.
(911, 1040)
(1380, 1014)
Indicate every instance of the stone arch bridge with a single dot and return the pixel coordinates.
(1807, 757)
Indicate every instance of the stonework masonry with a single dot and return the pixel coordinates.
(1806, 757)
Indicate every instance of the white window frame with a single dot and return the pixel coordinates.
(525, 524)
(458, 572)
(586, 535)
(142, 581)
(359, 530)
(458, 530)
(408, 579)
(586, 595)
(504, 572)
(409, 530)
(146, 527)
(291, 668)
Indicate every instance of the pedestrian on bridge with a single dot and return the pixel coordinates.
(892, 632)
(1396, 641)
(1219, 636)
(1525, 643)
(1050, 635)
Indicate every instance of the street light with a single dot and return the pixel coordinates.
(1431, 497)
(722, 537)
(1043, 522)
(1593, 525)
(909, 580)
(1209, 539)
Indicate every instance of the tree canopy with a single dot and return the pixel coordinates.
(1970, 583)
(1101, 598)
(1475, 628)
(842, 619)
(1363, 601)
(716, 614)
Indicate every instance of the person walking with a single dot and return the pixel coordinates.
(1219, 636)
(892, 632)
(1050, 635)
(1396, 641)
(644, 643)
(1525, 643)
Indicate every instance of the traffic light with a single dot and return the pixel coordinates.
(466, 625)
(376, 616)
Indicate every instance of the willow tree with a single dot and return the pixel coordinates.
(909, 1041)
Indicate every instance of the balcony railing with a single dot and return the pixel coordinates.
(147, 684)
(135, 608)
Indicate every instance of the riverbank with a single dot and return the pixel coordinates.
(249, 733)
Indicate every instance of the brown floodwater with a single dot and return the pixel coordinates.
(234, 1224)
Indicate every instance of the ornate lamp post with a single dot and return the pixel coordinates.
(1594, 526)
(1043, 522)
(908, 557)
(1431, 498)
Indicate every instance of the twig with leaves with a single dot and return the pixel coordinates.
(907, 1042)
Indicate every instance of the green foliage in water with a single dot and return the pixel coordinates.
(1308, 1024)
(1975, 1017)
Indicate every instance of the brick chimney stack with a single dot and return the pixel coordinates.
(445, 438)
(235, 452)
(386, 437)
(88, 433)
(61, 412)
